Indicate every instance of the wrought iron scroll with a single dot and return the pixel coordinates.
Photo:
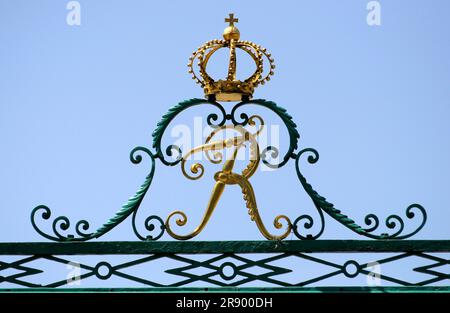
(62, 223)
(172, 155)
(371, 220)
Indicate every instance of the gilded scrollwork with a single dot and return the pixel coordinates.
(227, 177)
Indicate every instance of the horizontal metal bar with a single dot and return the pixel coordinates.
(198, 247)
(419, 289)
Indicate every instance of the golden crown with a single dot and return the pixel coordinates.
(230, 89)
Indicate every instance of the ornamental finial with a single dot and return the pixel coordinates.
(231, 88)
(231, 19)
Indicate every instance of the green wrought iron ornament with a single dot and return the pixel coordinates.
(228, 90)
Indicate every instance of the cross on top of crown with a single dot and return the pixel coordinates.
(231, 19)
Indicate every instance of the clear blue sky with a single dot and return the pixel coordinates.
(74, 100)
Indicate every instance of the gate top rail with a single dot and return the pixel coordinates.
(205, 247)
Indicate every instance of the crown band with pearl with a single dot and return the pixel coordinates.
(230, 89)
